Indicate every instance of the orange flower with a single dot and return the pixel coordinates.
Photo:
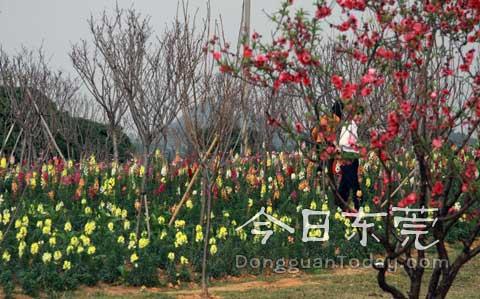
(14, 187)
(303, 185)
(276, 194)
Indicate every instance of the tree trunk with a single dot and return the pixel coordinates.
(415, 283)
(208, 198)
(143, 201)
(114, 134)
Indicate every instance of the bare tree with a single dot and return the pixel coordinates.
(97, 76)
(209, 114)
(143, 68)
(32, 89)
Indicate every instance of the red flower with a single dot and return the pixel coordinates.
(408, 201)
(217, 55)
(384, 53)
(337, 81)
(370, 77)
(349, 90)
(366, 91)
(299, 127)
(304, 57)
(261, 60)
(437, 188)
(322, 12)
(360, 56)
(437, 143)
(247, 52)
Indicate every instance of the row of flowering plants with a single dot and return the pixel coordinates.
(66, 224)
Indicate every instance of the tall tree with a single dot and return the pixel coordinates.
(143, 68)
(97, 76)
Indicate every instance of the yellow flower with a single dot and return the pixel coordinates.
(126, 225)
(80, 249)
(143, 242)
(213, 249)
(133, 258)
(68, 227)
(90, 227)
(33, 183)
(88, 210)
(171, 256)
(47, 257)
(163, 234)
(179, 223)
(325, 207)
(39, 224)
(67, 265)
(34, 248)
(183, 260)
(6, 217)
(222, 232)
(367, 209)
(269, 210)
(368, 182)
(21, 248)
(131, 244)
(85, 240)
(3, 163)
(91, 250)
(180, 239)
(6, 256)
(52, 241)
(74, 241)
(57, 255)
(121, 240)
(22, 233)
(110, 226)
(161, 220)
(198, 233)
(47, 230)
(263, 190)
(189, 204)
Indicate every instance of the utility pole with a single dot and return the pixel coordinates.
(245, 92)
(246, 23)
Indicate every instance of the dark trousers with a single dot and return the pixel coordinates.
(349, 182)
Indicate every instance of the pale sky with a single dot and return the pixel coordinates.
(57, 24)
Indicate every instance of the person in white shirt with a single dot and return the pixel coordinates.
(347, 145)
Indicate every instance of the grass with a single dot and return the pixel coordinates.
(323, 283)
(332, 283)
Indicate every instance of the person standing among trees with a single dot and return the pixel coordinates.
(347, 146)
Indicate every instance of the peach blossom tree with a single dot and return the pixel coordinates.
(409, 71)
